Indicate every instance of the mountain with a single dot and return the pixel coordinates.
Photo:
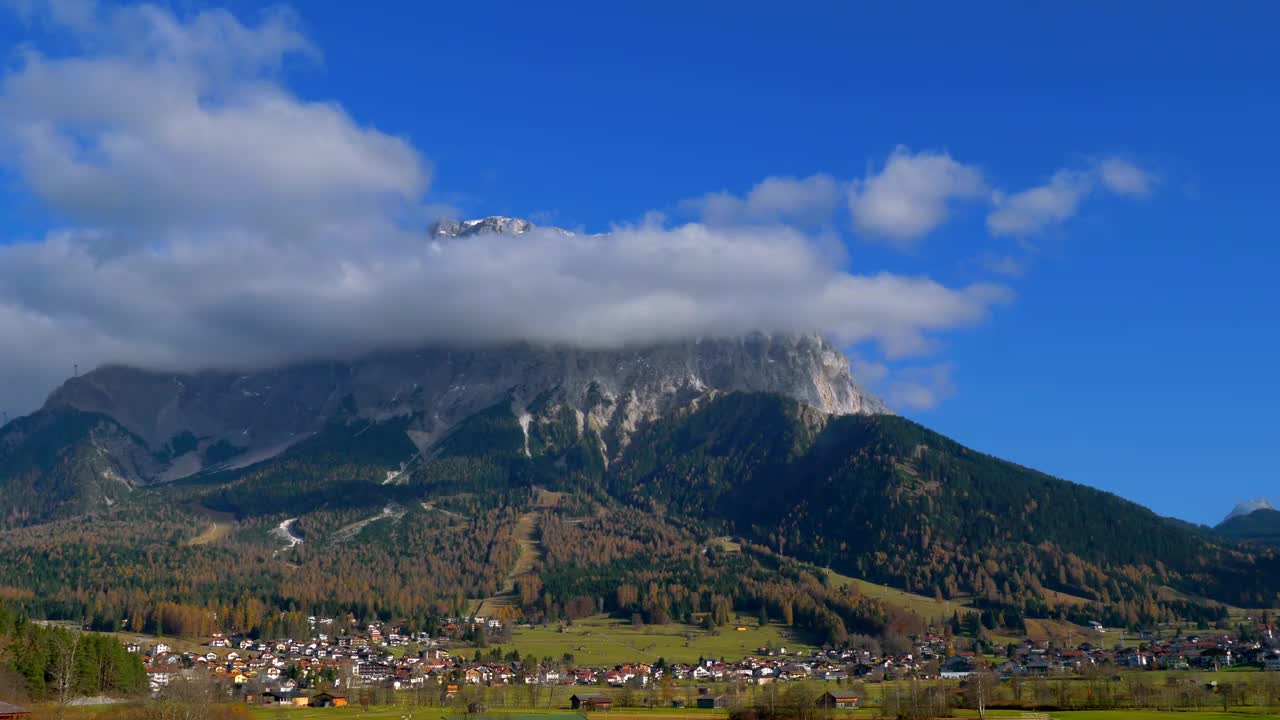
(1248, 506)
(1258, 525)
(62, 461)
(722, 472)
(172, 425)
(882, 498)
(260, 413)
(494, 224)
(118, 428)
(802, 492)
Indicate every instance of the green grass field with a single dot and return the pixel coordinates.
(601, 640)
(1161, 715)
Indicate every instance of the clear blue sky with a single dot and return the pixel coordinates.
(1139, 354)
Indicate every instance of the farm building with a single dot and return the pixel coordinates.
(591, 702)
(324, 700)
(839, 700)
(708, 702)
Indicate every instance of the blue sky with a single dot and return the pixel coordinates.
(1137, 350)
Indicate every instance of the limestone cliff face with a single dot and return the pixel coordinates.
(254, 415)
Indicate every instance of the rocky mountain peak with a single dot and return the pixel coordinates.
(212, 416)
(449, 228)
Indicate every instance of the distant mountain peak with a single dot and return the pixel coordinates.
(1248, 507)
(449, 228)
(492, 225)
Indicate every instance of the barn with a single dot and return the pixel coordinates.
(839, 700)
(324, 700)
(591, 702)
(710, 702)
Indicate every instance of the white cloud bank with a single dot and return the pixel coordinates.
(214, 218)
(911, 196)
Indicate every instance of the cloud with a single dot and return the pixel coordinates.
(807, 201)
(166, 124)
(911, 195)
(919, 388)
(1031, 211)
(212, 218)
(245, 300)
(1124, 178)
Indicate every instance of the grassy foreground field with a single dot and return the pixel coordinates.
(602, 640)
(1162, 715)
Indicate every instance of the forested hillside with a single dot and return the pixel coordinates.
(883, 498)
(355, 519)
(54, 465)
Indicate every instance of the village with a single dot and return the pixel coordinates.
(379, 662)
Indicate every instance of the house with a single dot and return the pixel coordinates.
(325, 700)
(709, 702)
(957, 667)
(159, 677)
(839, 700)
(13, 712)
(590, 702)
(277, 697)
(1270, 663)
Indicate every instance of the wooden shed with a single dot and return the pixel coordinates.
(325, 700)
(591, 702)
(839, 700)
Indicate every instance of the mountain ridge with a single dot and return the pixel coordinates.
(875, 497)
(437, 386)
